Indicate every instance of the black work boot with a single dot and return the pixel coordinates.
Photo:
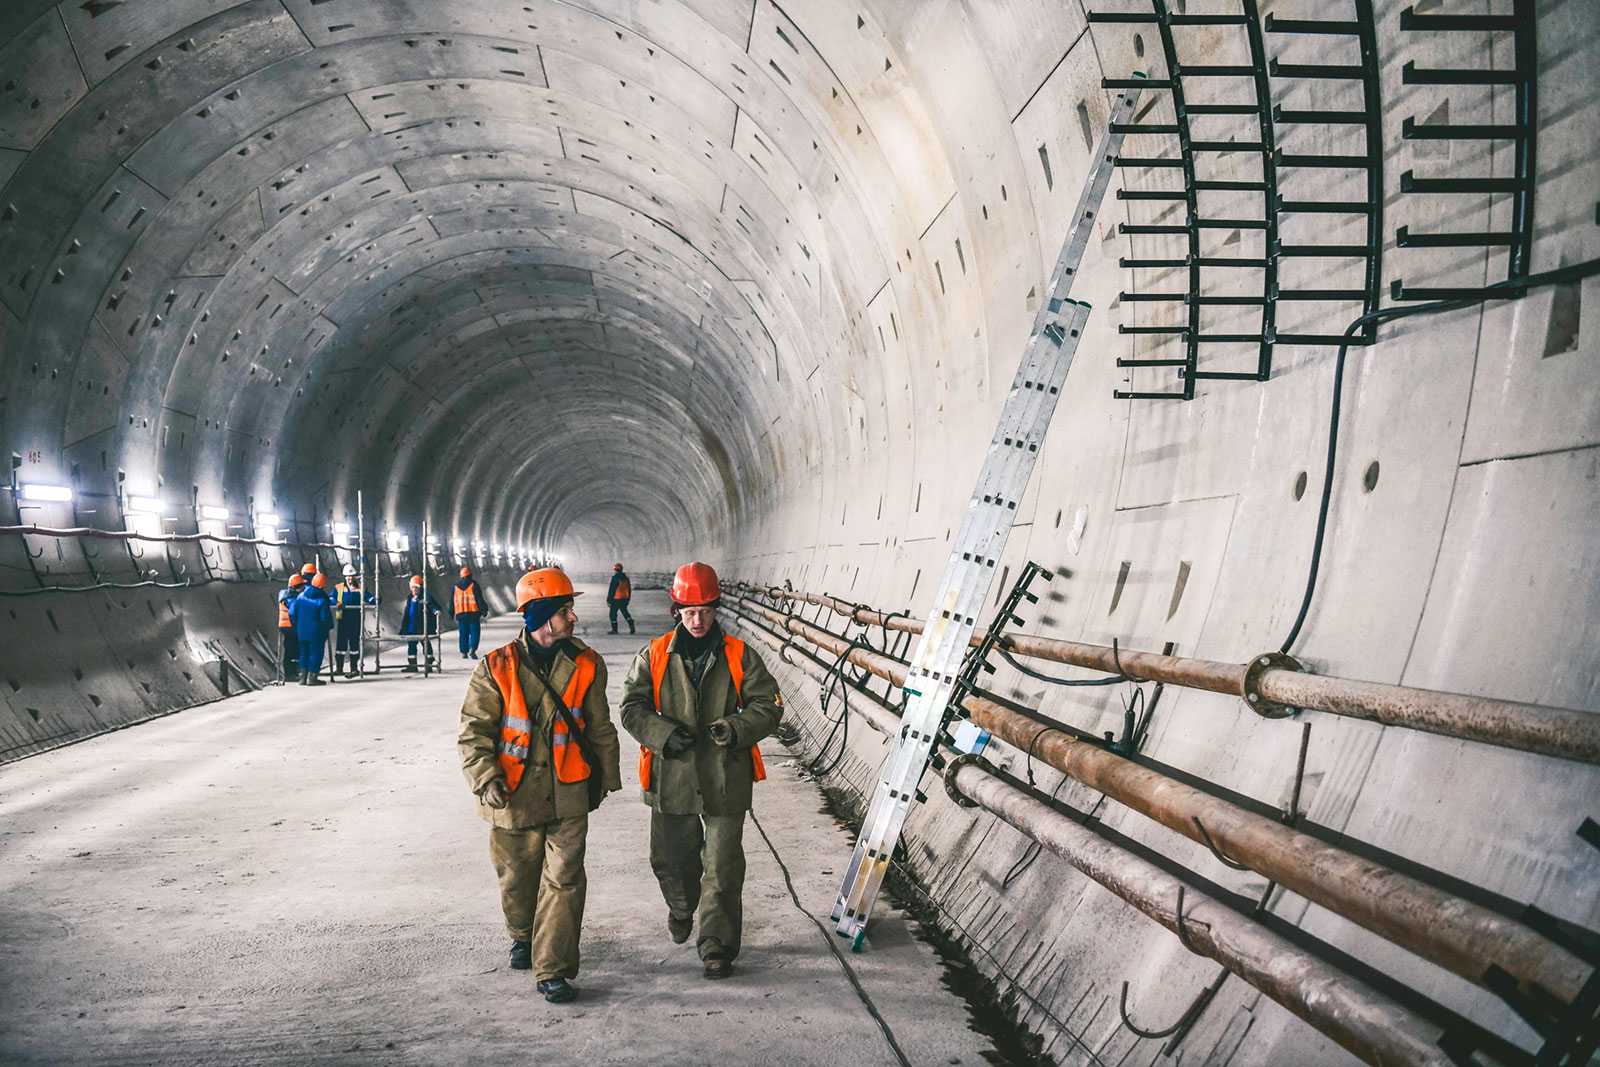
(630, 627)
(679, 928)
(557, 990)
(717, 967)
(522, 955)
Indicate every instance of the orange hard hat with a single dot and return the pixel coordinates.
(309, 569)
(616, 567)
(695, 584)
(542, 583)
(416, 581)
(466, 572)
(296, 581)
(320, 581)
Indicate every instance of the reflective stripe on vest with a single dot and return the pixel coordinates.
(733, 652)
(516, 725)
(467, 599)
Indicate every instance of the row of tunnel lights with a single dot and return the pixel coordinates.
(146, 511)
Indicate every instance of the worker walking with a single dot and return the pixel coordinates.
(540, 752)
(698, 701)
(420, 616)
(468, 612)
(312, 612)
(618, 595)
(348, 603)
(288, 646)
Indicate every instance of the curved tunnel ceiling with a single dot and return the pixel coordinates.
(514, 267)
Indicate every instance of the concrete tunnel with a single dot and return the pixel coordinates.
(1286, 659)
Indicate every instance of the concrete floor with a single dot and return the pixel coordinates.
(299, 875)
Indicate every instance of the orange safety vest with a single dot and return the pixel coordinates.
(284, 622)
(624, 590)
(733, 650)
(467, 599)
(516, 726)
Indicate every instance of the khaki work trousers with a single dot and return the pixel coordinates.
(542, 887)
(699, 861)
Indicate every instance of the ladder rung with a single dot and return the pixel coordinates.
(1412, 130)
(1284, 159)
(1151, 298)
(1145, 127)
(1124, 17)
(1151, 194)
(1325, 71)
(1399, 291)
(1228, 301)
(1409, 183)
(1324, 207)
(1227, 375)
(1225, 146)
(1358, 341)
(1231, 186)
(1140, 229)
(1277, 25)
(1322, 251)
(1404, 238)
(1231, 224)
(1223, 109)
(1321, 294)
(1228, 339)
(1411, 74)
(1152, 262)
(1120, 394)
(1207, 20)
(1286, 116)
(1147, 161)
(1226, 261)
(1216, 71)
(1410, 20)
(1121, 362)
(1148, 330)
(1135, 83)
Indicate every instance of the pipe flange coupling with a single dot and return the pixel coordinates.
(1249, 685)
(950, 772)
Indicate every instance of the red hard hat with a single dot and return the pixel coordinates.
(542, 583)
(416, 581)
(617, 567)
(308, 569)
(695, 584)
(320, 581)
(466, 572)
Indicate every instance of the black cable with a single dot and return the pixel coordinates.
(1052, 679)
(1519, 286)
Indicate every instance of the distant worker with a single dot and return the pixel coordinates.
(308, 571)
(421, 617)
(468, 612)
(289, 647)
(312, 612)
(617, 597)
(698, 701)
(348, 603)
(540, 752)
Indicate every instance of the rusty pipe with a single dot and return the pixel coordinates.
(1453, 933)
(1566, 733)
(1358, 1017)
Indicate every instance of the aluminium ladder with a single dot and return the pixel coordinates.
(931, 681)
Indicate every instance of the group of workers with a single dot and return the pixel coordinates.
(308, 612)
(540, 752)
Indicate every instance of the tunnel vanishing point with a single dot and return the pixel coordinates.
(1289, 670)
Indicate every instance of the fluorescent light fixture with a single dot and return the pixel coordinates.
(148, 504)
(341, 527)
(212, 511)
(59, 494)
(459, 545)
(405, 543)
(267, 520)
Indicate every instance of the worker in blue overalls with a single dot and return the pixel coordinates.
(420, 616)
(348, 601)
(312, 612)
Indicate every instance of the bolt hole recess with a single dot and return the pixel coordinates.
(1300, 485)
(1369, 480)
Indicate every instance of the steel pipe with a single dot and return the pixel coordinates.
(1445, 929)
(1566, 733)
(1362, 1020)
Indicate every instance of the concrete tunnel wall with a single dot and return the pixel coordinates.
(748, 282)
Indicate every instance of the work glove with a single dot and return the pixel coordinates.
(678, 742)
(495, 794)
(722, 733)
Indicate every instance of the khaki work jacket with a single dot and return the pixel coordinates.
(710, 780)
(539, 798)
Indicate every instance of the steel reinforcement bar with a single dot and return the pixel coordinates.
(1441, 927)
(1567, 733)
